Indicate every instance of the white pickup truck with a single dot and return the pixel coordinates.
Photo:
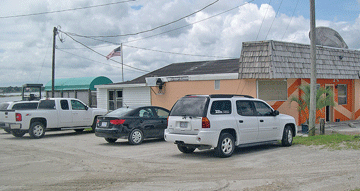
(52, 114)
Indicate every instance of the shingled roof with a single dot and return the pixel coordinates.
(191, 68)
(274, 59)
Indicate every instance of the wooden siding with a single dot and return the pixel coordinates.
(274, 59)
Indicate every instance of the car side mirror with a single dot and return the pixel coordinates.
(276, 112)
(86, 108)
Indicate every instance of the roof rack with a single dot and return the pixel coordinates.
(228, 96)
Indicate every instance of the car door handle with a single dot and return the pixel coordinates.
(261, 120)
(241, 121)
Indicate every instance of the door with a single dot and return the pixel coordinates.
(148, 121)
(329, 110)
(268, 124)
(161, 124)
(247, 121)
(65, 114)
(80, 113)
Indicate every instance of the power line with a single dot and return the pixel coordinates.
(290, 20)
(132, 34)
(74, 9)
(94, 60)
(176, 52)
(263, 20)
(103, 55)
(273, 20)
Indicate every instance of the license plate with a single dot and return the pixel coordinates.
(103, 124)
(183, 124)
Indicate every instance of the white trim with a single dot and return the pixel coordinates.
(112, 86)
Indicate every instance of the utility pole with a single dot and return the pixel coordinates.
(53, 64)
(312, 112)
(122, 62)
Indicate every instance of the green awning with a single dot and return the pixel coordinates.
(84, 83)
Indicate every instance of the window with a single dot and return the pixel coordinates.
(115, 99)
(342, 94)
(272, 90)
(217, 84)
(245, 108)
(64, 104)
(262, 109)
(220, 107)
(25, 106)
(193, 106)
(161, 113)
(76, 105)
(47, 104)
(146, 113)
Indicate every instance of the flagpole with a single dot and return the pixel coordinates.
(122, 62)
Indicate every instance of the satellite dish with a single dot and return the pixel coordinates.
(326, 36)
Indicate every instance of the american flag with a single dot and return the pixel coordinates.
(115, 52)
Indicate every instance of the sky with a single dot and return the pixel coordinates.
(153, 33)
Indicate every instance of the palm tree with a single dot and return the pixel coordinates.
(324, 97)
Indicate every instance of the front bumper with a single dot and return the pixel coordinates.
(208, 138)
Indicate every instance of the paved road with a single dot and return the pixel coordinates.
(69, 161)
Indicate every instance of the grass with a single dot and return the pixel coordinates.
(333, 141)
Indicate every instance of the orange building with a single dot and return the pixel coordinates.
(269, 70)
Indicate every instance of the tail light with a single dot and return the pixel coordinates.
(18, 117)
(205, 122)
(117, 121)
(167, 122)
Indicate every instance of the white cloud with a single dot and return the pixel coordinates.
(26, 42)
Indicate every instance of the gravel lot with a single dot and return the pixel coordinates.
(70, 161)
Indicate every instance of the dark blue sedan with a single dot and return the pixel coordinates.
(134, 124)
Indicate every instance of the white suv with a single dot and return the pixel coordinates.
(225, 121)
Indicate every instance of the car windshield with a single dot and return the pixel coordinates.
(190, 106)
(119, 112)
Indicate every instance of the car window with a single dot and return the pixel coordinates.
(190, 106)
(220, 107)
(64, 104)
(25, 106)
(245, 108)
(47, 104)
(161, 113)
(119, 112)
(4, 106)
(146, 113)
(262, 109)
(76, 105)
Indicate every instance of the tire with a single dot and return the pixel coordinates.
(136, 137)
(185, 149)
(287, 138)
(78, 130)
(37, 130)
(93, 126)
(110, 140)
(226, 145)
(17, 133)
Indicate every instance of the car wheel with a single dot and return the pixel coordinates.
(136, 137)
(78, 130)
(185, 149)
(37, 130)
(17, 133)
(110, 140)
(287, 138)
(226, 146)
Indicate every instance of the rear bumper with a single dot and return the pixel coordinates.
(209, 138)
(10, 126)
(110, 133)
